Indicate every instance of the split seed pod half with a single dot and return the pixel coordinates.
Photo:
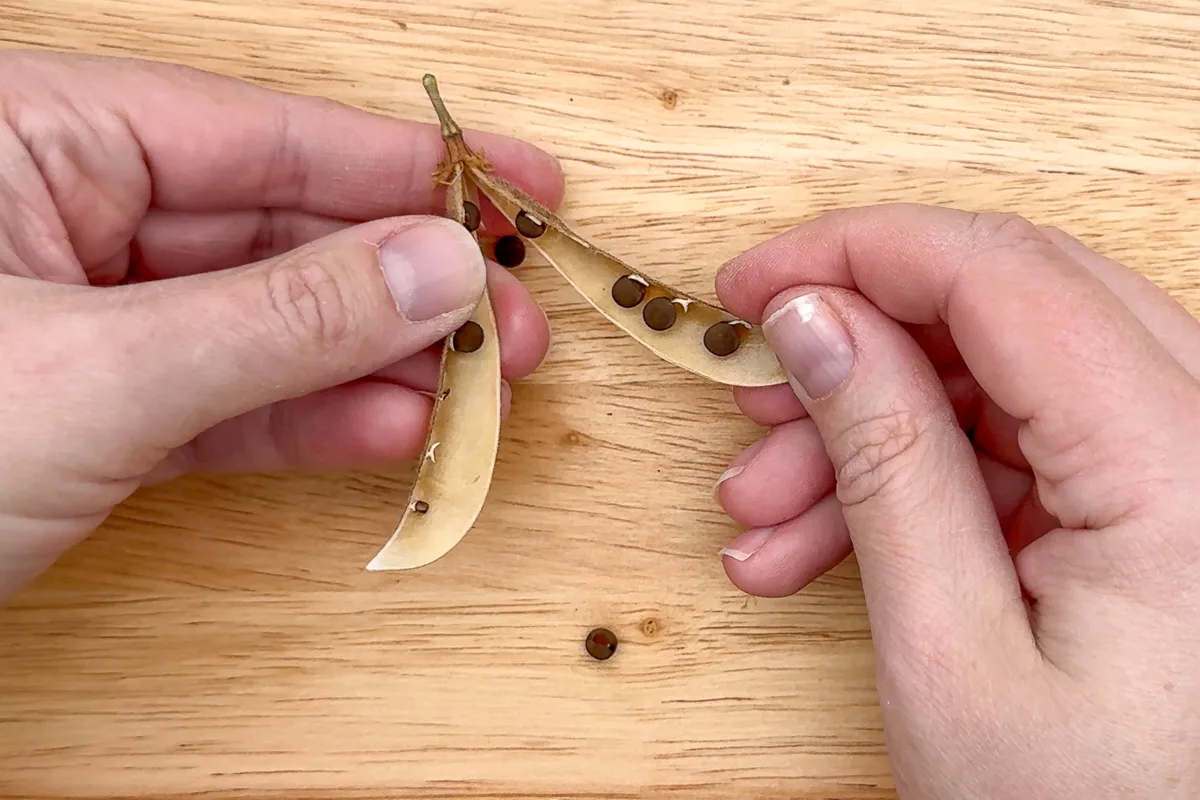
(676, 326)
(455, 474)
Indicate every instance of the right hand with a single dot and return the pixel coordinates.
(1034, 589)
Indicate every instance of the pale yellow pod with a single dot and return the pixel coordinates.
(697, 336)
(455, 473)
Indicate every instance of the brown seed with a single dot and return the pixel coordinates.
(471, 214)
(601, 643)
(529, 227)
(509, 251)
(721, 339)
(659, 314)
(627, 292)
(468, 338)
(420, 506)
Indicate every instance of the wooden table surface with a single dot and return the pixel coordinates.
(222, 636)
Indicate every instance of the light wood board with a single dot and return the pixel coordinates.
(223, 636)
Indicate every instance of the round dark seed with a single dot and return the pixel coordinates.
(468, 338)
(509, 251)
(627, 292)
(420, 507)
(659, 314)
(529, 227)
(601, 644)
(721, 339)
(471, 214)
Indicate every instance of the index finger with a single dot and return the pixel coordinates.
(217, 143)
(1048, 341)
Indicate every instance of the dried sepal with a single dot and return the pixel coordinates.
(456, 468)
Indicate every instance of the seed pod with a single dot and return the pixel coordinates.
(455, 473)
(594, 274)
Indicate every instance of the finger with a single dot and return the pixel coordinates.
(807, 546)
(229, 144)
(521, 325)
(197, 350)
(932, 555)
(779, 477)
(1095, 360)
(1168, 321)
(777, 404)
(418, 372)
(170, 244)
(361, 425)
(769, 405)
(781, 560)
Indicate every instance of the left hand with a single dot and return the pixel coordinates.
(200, 275)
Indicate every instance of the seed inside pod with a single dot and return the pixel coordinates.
(509, 251)
(420, 507)
(529, 227)
(721, 339)
(601, 644)
(659, 314)
(471, 215)
(468, 338)
(627, 292)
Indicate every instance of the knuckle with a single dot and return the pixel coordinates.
(306, 299)
(879, 452)
(994, 231)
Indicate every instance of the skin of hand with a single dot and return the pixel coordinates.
(1033, 589)
(201, 275)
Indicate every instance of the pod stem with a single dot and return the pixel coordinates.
(450, 129)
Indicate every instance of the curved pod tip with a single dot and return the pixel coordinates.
(455, 474)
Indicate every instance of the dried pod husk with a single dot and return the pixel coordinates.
(594, 273)
(455, 473)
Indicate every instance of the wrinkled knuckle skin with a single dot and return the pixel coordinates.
(879, 452)
(307, 301)
(1001, 231)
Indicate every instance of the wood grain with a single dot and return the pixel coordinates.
(222, 637)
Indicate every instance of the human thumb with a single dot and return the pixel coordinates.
(197, 350)
(929, 546)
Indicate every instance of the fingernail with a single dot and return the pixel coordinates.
(746, 545)
(738, 465)
(812, 344)
(432, 268)
(732, 472)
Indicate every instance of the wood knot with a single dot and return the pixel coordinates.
(574, 439)
(669, 99)
(650, 627)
